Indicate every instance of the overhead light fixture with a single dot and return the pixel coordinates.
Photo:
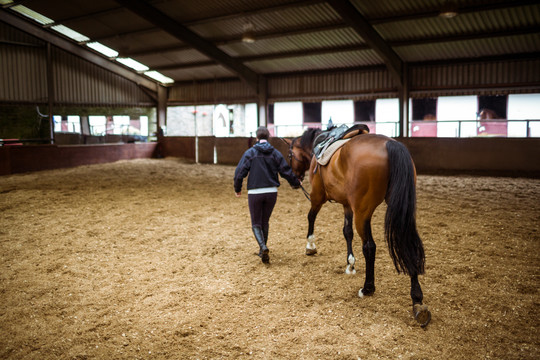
(34, 15)
(70, 33)
(159, 77)
(105, 50)
(134, 64)
(448, 10)
(249, 33)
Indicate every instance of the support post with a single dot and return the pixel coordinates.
(50, 91)
(161, 107)
(404, 103)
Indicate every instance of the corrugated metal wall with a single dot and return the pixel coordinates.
(480, 78)
(211, 92)
(356, 85)
(23, 76)
(22, 62)
(474, 78)
(80, 82)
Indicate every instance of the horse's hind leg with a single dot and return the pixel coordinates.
(420, 311)
(311, 249)
(363, 226)
(349, 233)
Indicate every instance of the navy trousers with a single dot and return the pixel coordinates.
(261, 207)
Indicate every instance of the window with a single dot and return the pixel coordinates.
(57, 123)
(364, 110)
(120, 124)
(524, 107)
(387, 116)
(339, 111)
(97, 124)
(288, 119)
(424, 109)
(251, 119)
(456, 116)
(144, 125)
(74, 124)
(312, 113)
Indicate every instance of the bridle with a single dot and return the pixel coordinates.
(302, 161)
(293, 156)
(291, 153)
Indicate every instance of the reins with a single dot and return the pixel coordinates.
(293, 156)
(306, 194)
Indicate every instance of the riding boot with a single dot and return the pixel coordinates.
(259, 236)
(265, 233)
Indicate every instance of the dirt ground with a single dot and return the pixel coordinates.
(155, 259)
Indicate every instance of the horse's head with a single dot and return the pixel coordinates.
(299, 159)
(300, 152)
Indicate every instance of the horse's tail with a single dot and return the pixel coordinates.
(401, 235)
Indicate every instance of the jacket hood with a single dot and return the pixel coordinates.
(264, 147)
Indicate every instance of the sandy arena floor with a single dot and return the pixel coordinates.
(155, 259)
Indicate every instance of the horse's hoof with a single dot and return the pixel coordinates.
(310, 252)
(350, 271)
(422, 314)
(363, 292)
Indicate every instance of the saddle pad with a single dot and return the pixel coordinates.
(330, 150)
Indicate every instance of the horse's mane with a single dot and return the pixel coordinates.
(307, 138)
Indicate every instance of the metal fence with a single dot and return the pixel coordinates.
(424, 128)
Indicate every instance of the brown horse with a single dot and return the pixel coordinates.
(360, 175)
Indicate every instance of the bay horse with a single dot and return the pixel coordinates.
(360, 175)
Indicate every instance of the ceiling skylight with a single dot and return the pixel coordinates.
(135, 65)
(42, 19)
(70, 33)
(107, 51)
(159, 77)
(5, 2)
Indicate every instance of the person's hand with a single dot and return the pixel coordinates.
(238, 194)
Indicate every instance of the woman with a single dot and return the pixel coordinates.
(263, 163)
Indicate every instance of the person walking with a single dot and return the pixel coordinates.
(263, 163)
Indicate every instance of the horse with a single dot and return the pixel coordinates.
(488, 114)
(366, 171)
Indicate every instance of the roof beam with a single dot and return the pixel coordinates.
(465, 9)
(347, 48)
(76, 49)
(358, 22)
(271, 56)
(159, 19)
(414, 15)
(393, 43)
(236, 39)
(231, 15)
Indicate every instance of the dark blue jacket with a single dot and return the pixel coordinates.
(263, 163)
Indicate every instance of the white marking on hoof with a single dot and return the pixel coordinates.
(360, 293)
(311, 249)
(350, 270)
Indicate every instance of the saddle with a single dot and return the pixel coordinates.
(323, 142)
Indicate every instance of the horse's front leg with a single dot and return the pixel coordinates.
(349, 234)
(311, 249)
